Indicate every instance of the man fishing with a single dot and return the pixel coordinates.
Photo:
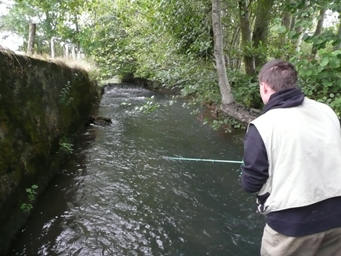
(292, 162)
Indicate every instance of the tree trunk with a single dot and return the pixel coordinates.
(235, 45)
(224, 85)
(240, 112)
(338, 46)
(246, 37)
(31, 39)
(261, 28)
(299, 39)
(299, 29)
(292, 22)
(318, 29)
(286, 22)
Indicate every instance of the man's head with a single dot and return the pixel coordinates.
(274, 76)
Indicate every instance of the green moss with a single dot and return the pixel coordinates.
(32, 122)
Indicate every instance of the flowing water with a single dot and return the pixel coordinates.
(118, 195)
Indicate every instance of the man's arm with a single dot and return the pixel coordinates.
(256, 165)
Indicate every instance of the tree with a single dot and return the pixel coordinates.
(260, 30)
(185, 44)
(338, 36)
(318, 29)
(58, 19)
(224, 85)
(246, 36)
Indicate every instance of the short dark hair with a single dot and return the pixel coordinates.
(278, 74)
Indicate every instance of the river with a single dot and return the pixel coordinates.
(118, 195)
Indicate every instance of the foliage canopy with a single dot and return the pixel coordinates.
(172, 42)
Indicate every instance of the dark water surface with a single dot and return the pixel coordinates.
(119, 196)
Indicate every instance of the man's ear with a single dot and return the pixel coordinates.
(265, 87)
(265, 92)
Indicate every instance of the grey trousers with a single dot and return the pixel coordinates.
(327, 243)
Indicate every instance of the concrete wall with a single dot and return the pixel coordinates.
(42, 106)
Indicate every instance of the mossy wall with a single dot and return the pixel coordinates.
(42, 105)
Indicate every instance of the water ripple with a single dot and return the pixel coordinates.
(119, 196)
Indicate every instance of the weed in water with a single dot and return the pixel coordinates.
(31, 195)
(64, 96)
(66, 146)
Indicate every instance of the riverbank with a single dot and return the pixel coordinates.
(43, 105)
(235, 110)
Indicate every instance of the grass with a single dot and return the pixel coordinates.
(83, 64)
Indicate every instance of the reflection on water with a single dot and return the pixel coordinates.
(119, 196)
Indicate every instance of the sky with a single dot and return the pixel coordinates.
(7, 39)
(331, 19)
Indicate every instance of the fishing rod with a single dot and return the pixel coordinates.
(203, 160)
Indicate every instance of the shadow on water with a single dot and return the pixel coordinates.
(119, 196)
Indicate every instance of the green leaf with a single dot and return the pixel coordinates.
(281, 29)
(324, 62)
(334, 62)
(291, 34)
(329, 84)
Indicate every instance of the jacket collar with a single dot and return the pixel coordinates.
(285, 98)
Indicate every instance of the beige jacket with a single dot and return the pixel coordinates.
(303, 145)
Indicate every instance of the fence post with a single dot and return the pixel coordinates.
(31, 38)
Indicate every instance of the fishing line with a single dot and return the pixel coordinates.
(203, 160)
